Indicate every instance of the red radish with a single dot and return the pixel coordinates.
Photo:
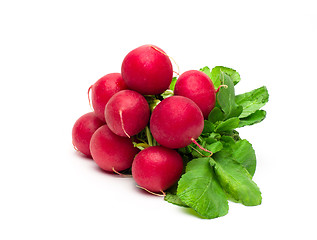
(111, 152)
(176, 122)
(82, 131)
(147, 70)
(198, 87)
(103, 90)
(127, 113)
(157, 168)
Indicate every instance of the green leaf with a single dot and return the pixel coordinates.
(209, 127)
(199, 189)
(215, 115)
(153, 101)
(236, 180)
(210, 140)
(171, 197)
(227, 142)
(228, 125)
(174, 199)
(167, 93)
(184, 150)
(244, 154)
(226, 98)
(256, 117)
(172, 85)
(232, 133)
(215, 136)
(216, 75)
(252, 101)
(214, 147)
(206, 70)
(140, 146)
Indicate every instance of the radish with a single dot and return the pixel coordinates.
(127, 113)
(111, 152)
(198, 87)
(103, 90)
(176, 122)
(157, 168)
(147, 70)
(82, 131)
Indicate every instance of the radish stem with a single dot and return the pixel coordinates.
(89, 97)
(153, 193)
(169, 57)
(120, 113)
(204, 149)
(148, 136)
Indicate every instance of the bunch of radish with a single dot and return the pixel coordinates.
(121, 111)
(143, 119)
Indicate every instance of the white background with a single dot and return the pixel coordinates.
(52, 51)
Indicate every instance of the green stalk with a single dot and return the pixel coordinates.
(148, 136)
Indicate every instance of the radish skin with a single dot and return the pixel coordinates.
(110, 151)
(83, 130)
(198, 87)
(176, 121)
(157, 168)
(103, 90)
(127, 113)
(147, 70)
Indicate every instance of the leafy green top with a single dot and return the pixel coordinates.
(210, 181)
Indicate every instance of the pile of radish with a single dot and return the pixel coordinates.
(150, 121)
